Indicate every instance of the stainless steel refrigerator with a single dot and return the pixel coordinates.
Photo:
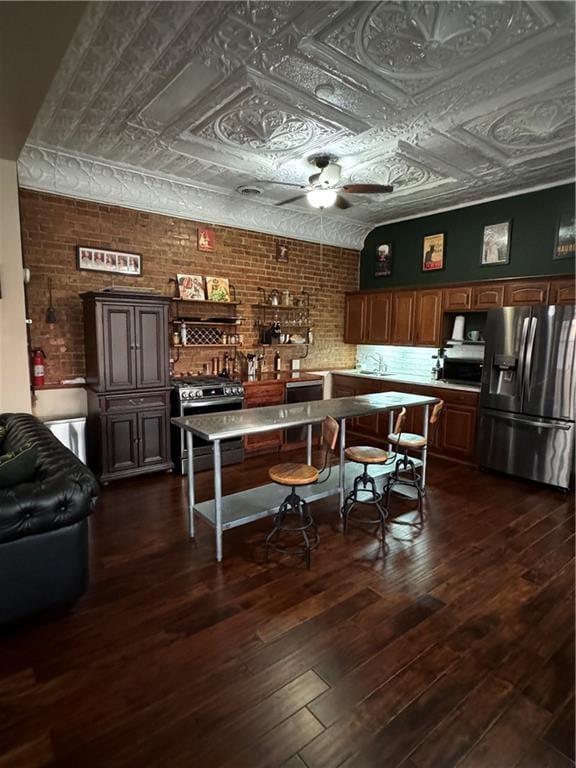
(526, 425)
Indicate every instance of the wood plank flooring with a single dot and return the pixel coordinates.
(455, 647)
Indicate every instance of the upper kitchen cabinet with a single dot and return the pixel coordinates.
(378, 318)
(487, 296)
(126, 342)
(562, 291)
(403, 317)
(355, 319)
(457, 299)
(428, 318)
(368, 318)
(524, 293)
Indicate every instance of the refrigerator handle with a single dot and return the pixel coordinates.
(522, 356)
(529, 355)
(529, 422)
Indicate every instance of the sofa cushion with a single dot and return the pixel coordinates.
(2, 435)
(18, 466)
(62, 493)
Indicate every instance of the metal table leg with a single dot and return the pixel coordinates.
(190, 466)
(390, 429)
(425, 449)
(309, 444)
(342, 472)
(218, 498)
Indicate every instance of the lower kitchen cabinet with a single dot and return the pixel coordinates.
(127, 434)
(455, 435)
(258, 394)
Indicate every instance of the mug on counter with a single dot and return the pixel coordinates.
(473, 335)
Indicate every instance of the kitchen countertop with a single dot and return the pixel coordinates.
(250, 421)
(283, 376)
(408, 378)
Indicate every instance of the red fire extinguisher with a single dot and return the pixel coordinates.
(38, 358)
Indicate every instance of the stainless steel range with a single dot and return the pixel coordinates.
(201, 395)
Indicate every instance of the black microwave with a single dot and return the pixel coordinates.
(462, 371)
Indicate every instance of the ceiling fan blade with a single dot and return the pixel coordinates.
(282, 183)
(342, 203)
(367, 189)
(290, 200)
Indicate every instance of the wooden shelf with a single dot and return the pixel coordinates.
(199, 346)
(285, 344)
(208, 302)
(291, 307)
(235, 321)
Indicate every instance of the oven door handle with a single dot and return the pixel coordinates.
(210, 402)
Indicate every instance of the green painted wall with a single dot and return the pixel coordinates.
(534, 222)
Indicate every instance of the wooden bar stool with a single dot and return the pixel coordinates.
(294, 516)
(367, 456)
(404, 442)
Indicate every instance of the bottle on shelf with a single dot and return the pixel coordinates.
(183, 333)
(277, 362)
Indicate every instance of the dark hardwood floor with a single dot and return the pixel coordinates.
(454, 648)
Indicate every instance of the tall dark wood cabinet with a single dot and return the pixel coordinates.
(128, 382)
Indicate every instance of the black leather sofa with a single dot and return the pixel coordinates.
(43, 526)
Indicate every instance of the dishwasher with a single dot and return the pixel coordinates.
(302, 392)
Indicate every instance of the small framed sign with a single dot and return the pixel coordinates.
(565, 247)
(103, 260)
(383, 261)
(206, 239)
(191, 287)
(496, 243)
(433, 252)
(281, 252)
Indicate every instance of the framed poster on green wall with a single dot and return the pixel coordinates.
(565, 246)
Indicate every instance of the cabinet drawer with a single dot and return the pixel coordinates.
(135, 402)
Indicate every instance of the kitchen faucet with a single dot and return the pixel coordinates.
(382, 367)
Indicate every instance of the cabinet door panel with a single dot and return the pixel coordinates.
(487, 296)
(121, 442)
(428, 317)
(457, 299)
(562, 291)
(257, 395)
(402, 317)
(522, 294)
(151, 346)
(355, 319)
(152, 437)
(379, 310)
(458, 431)
(119, 347)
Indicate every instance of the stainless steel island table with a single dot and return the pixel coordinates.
(246, 506)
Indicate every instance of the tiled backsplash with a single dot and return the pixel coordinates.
(416, 360)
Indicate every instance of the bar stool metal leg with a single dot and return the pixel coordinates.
(375, 499)
(293, 517)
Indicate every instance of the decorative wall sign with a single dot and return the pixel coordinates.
(206, 239)
(217, 289)
(433, 252)
(496, 243)
(383, 261)
(191, 287)
(102, 260)
(565, 247)
(281, 252)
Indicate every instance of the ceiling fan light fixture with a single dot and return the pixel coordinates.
(321, 198)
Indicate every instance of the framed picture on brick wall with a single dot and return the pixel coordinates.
(206, 239)
(104, 260)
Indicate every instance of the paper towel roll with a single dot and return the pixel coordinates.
(458, 330)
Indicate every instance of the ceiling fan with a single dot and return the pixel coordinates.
(322, 190)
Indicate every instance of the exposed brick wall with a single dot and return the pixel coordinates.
(53, 226)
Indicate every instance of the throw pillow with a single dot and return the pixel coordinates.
(18, 466)
(2, 434)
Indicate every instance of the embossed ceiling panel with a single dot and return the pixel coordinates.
(173, 106)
